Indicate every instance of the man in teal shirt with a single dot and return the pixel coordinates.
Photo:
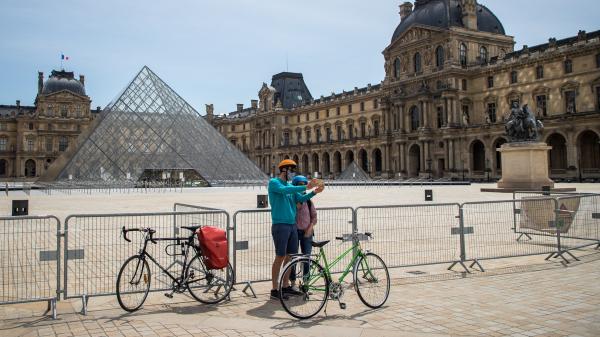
(283, 198)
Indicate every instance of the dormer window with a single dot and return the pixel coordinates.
(417, 62)
(483, 55)
(462, 52)
(397, 68)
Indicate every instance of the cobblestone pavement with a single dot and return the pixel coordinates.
(543, 299)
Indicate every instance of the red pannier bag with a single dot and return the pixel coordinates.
(213, 242)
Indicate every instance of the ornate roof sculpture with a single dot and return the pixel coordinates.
(150, 127)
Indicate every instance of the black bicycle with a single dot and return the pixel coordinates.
(208, 286)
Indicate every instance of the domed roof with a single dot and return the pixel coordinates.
(63, 80)
(447, 13)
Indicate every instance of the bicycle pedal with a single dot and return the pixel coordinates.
(168, 295)
(343, 306)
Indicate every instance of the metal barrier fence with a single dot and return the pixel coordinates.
(578, 222)
(30, 260)
(254, 250)
(411, 235)
(94, 250)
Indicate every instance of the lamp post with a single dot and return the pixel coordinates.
(429, 167)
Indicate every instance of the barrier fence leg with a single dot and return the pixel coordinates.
(463, 254)
(51, 308)
(84, 302)
(248, 286)
(525, 234)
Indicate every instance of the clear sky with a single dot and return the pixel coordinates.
(222, 51)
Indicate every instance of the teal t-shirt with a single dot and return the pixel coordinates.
(283, 198)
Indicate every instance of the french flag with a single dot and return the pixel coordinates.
(63, 57)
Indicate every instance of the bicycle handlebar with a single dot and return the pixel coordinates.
(354, 235)
(148, 230)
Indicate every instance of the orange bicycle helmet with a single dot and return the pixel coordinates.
(286, 163)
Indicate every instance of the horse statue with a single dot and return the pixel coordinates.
(522, 126)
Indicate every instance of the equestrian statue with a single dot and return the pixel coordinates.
(522, 126)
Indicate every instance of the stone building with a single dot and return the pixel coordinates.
(32, 137)
(451, 76)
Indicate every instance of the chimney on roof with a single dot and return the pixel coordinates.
(98, 109)
(240, 107)
(40, 81)
(405, 10)
(254, 104)
(469, 14)
(82, 80)
(581, 35)
(18, 104)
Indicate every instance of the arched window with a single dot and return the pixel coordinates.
(417, 62)
(439, 57)
(462, 52)
(414, 118)
(483, 54)
(397, 68)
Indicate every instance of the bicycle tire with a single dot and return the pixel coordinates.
(314, 269)
(366, 264)
(200, 290)
(145, 277)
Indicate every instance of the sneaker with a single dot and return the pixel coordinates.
(291, 291)
(275, 295)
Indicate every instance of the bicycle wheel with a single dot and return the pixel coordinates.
(208, 286)
(313, 286)
(133, 283)
(371, 280)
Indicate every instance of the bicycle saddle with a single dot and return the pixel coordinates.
(191, 228)
(319, 244)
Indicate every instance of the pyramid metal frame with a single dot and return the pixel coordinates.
(353, 173)
(149, 126)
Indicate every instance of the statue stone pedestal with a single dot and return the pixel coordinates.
(525, 166)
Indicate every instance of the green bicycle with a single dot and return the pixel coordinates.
(316, 285)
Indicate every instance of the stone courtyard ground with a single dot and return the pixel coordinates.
(518, 296)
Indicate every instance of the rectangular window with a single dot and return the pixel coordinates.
(376, 128)
(514, 77)
(464, 85)
(307, 116)
(327, 113)
(286, 139)
(337, 110)
(539, 72)
(541, 103)
(375, 104)
(490, 81)
(63, 143)
(285, 121)
(78, 110)
(298, 118)
(3, 144)
(30, 145)
(363, 129)
(491, 110)
(318, 135)
(568, 66)
(362, 106)
(571, 105)
(349, 108)
(350, 131)
(328, 134)
(63, 111)
(440, 116)
(49, 144)
(339, 133)
(308, 137)
(299, 137)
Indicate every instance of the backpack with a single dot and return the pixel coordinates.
(213, 243)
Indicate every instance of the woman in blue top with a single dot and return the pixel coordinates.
(283, 198)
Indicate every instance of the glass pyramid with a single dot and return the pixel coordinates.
(149, 127)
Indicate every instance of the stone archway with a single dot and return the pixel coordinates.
(478, 156)
(326, 163)
(30, 169)
(315, 163)
(377, 161)
(497, 145)
(349, 157)
(305, 169)
(557, 160)
(337, 162)
(363, 160)
(414, 161)
(589, 151)
(3, 168)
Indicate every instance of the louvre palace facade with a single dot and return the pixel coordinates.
(451, 76)
(33, 137)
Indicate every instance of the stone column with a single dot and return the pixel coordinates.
(401, 118)
(447, 152)
(451, 154)
(421, 114)
(401, 150)
(422, 148)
